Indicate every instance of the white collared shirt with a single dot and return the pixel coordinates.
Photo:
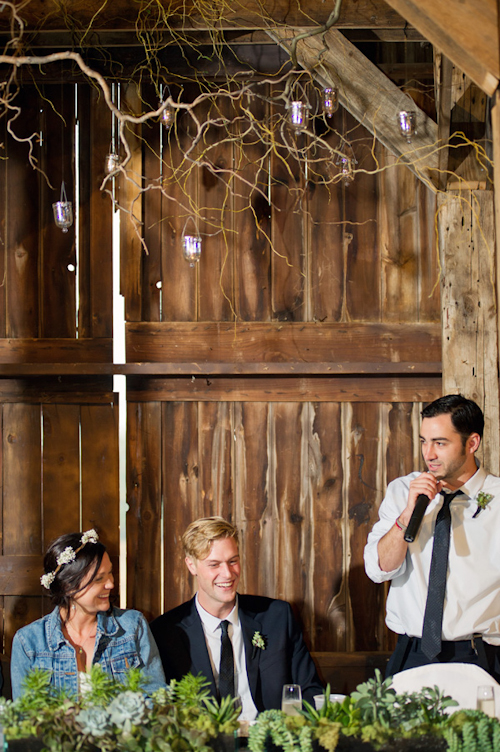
(212, 631)
(472, 604)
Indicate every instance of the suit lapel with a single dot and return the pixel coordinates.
(200, 660)
(252, 654)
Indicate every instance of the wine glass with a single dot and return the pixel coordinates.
(486, 700)
(291, 699)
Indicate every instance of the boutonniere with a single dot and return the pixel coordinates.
(483, 499)
(258, 641)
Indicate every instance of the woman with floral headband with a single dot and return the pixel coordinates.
(83, 629)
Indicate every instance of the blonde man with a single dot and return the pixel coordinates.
(266, 647)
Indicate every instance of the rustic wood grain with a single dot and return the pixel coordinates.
(291, 389)
(144, 513)
(128, 195)
(470, 338)
(216, 288)
(21, 210)
(57, 248)
(60, 471)
(152, 215)
(181, 494)
(290, 342)
(252, 220)
(46, 350)
(100, 473)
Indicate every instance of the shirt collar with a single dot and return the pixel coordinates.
(211, 623)
(475, 483)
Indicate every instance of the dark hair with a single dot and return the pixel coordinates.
(466, 416)
(68, 580)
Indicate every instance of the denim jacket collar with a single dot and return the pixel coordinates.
(106, 624)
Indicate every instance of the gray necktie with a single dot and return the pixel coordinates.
(433, 617)
(226, 670)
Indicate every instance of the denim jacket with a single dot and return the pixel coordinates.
(123, 640)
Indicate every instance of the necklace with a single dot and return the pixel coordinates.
(80, 645)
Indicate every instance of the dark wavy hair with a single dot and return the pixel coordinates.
(68, 580)
(466, 416)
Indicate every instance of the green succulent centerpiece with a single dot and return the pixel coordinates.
(375, 717)
(114, 716)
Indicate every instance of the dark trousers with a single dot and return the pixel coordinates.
(408, 654)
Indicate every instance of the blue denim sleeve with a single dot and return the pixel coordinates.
(150, 656)
(20, 664)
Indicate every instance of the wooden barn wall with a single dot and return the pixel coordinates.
(281, 378)
(58, 430)
(296, 357)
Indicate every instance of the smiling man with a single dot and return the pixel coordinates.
(246, 645)
(444, 599)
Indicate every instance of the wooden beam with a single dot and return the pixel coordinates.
(291, 342)
(466, 32)
(122, 15)
(443, 106)
(368, 95)
(285, 389)
(57, 350)
(470, 340)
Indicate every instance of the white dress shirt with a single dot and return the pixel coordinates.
(472, 602)
(212, 631)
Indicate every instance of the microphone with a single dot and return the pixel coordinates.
(416, 518)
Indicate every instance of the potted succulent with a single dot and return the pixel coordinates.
(373, 718)
(117, 716)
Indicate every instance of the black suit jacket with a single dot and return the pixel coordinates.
(285, 659)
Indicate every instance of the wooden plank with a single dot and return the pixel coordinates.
(293, 389)
(4, 192)
(57, 248)
(101, 252)
(429, 307)
(215, 468)
(100, 473)
(367, 94)
(57, 389)
(60, 350)
(22, 207)
(179, 284)
(20, 575)
(290, 342)
(363, 488)
(181, 494)
(470, 338)
(19, 611)
(152, 216)
(326, 621)
(60, 470)
(129, 197)
(252, 218)
(144, 497)
(216, 285)
(84, 211)
(287, 232)
(255, 511)
(468, 36)
(363, 294)
(326, 217)
(444, 70)
(22, 508)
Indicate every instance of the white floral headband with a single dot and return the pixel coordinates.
(69, 554)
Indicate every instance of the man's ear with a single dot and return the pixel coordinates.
(191, 565)
(473, 442)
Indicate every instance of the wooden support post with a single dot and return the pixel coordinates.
(470, 324)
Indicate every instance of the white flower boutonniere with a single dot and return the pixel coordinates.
(258, 641)
(483, 499)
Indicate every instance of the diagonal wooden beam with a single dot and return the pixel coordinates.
(367, 94)
(465, 31)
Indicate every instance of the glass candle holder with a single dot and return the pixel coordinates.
(191, 248)
(407, 120)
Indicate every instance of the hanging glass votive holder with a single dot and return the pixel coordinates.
(298, 114)
(167, 115)
(191, 248)
(63, 211)
(112, 161)
(330, 102)
(407, 120)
